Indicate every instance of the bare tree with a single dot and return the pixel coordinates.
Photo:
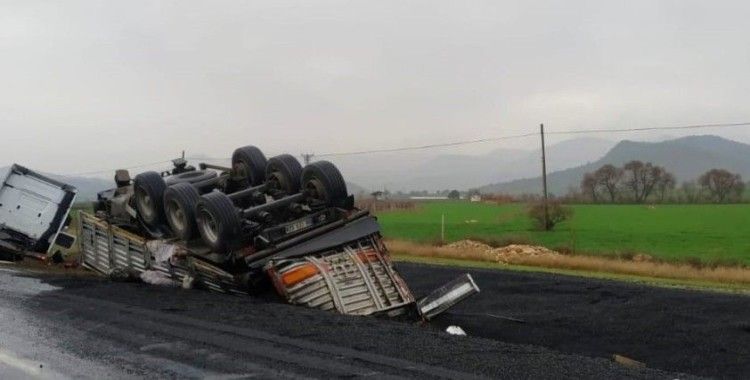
(691, 191)
(634, 172)
(666, 184)
(642, 178)
(721, 184)
(609, 177)
(589, 185)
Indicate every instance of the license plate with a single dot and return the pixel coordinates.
(298, 225)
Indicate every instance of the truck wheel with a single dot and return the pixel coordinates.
(218, 221)
(149, 195)
(190, 177)
(179, 207)
(284, 172)
(323, 181)
(249, 163)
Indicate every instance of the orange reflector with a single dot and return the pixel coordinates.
(298, 274)
(367, 256)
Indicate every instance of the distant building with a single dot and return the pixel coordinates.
(428, 198)
(379, 196)
(475, 198)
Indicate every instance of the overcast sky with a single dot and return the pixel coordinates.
(87, 85)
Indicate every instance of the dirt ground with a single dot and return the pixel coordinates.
(507, 254)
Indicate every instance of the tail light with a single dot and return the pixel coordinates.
(298, 274)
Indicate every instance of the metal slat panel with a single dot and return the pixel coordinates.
(354, 278)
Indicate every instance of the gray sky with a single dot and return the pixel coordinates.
(90, 85)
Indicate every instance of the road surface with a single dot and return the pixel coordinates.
(54, 326)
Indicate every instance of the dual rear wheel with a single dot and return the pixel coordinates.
(219, 221)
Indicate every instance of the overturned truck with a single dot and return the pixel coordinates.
(260, 224)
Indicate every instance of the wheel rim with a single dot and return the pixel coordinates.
(177, 217)
(276, 181)
(316, 190)
(145, 205)
(240, 169)
(208, 226)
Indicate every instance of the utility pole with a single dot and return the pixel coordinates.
(307, 157)
(442, 229)
(544, 179)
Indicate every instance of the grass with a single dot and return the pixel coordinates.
(664, 270)
(707, 234)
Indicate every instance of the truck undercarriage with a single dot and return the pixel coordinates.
(259, 225)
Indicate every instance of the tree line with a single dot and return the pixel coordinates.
(641, 182)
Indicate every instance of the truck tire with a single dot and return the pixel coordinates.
(284, 172)
(179, 209)
(323, 181)
(190, 177)
(218, 221)
(249, 163)
(149, 198)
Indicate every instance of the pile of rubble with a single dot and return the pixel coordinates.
(508, 254)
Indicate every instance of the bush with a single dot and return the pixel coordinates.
(556, 211)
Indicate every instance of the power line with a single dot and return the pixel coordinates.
(455, 143)
(112, 170)
(430, 146)
(696, 126)
(569, 132)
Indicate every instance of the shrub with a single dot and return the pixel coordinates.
(556, 214)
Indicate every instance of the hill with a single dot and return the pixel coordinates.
(687, 158)
(425, 171)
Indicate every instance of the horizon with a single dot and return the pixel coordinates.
(88, 86)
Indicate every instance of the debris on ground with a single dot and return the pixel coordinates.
(455, 330)
(507, 254)
(627, 362)
(122, 275)
(154, 277)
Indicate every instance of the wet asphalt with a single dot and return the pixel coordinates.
(55, 326)
(698, 332)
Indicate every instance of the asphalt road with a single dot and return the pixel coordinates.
(697, 332)
(60, 327)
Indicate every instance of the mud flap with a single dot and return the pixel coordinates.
(447, 296)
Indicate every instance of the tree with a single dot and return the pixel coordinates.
(589, 186)
(473, 192)
(556, 211)
(666, 183)
(691, 191)
(454, 194)
(721, 184)
(609, 177)
(642, 178)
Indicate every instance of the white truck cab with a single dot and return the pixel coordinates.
(33, 211)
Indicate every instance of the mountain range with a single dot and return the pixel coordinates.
(424, 171)
(512, 171)
(686, 157)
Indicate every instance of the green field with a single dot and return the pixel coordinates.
(710, 233)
